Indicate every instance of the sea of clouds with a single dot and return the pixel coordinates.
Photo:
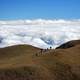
(39, 33)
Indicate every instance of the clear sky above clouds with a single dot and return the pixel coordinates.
(33, 9)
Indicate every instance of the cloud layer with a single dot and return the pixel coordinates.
(40, 33)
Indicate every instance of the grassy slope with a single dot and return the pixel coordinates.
(20, 62)
(17, 56)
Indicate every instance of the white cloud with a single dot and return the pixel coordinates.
(40, 33)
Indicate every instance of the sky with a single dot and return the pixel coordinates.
(43, 9)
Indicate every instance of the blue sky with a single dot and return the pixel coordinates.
(33, 9)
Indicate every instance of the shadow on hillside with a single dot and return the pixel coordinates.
(69, 44)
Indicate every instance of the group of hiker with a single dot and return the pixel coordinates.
(43, 51)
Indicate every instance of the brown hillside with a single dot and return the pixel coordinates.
(69, 44)
(24, 62)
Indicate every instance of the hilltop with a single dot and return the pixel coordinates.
(25, 62)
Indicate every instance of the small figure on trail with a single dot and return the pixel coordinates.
(47, 49)
(50, 47)
(41, 50)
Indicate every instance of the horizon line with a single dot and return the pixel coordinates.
(40, 19)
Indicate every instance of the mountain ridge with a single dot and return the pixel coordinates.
(25, 62)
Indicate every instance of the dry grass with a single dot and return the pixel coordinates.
(20, 63)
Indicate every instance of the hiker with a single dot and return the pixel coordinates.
(50, 47)
(47, 49)
(41, 50)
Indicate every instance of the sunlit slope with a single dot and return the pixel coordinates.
(24, 62)
(17, 55)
